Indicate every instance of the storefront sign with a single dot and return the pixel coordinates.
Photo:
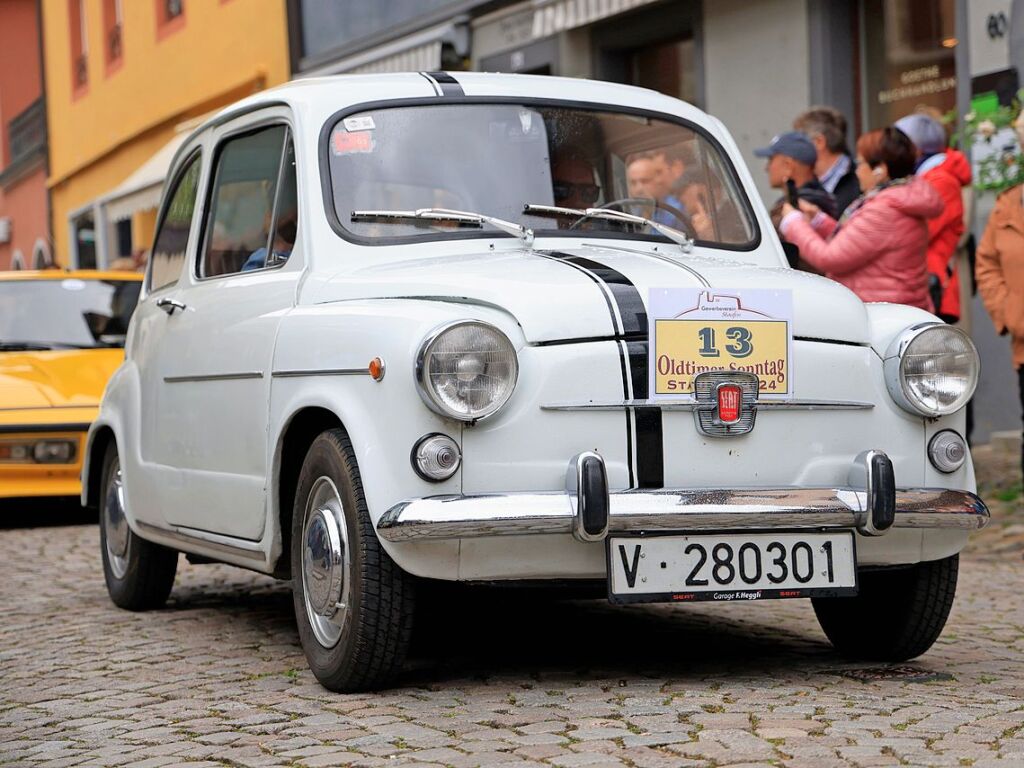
(915, 83)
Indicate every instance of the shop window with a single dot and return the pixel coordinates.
(79, 47)
(123, 230)
(113, 34)
(170, 17)
(328, 26)
(908, 50)
(85, 241)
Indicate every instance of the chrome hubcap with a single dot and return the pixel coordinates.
(325, 563)
(115, 525)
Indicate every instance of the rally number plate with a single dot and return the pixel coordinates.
(731, 566)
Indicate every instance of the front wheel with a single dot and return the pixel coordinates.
(139, 573)
(897, 614)
(353, 604)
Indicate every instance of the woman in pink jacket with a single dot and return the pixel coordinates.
(878, 248)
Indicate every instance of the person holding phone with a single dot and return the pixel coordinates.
(877, 249)
(791, 158)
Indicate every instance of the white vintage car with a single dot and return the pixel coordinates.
(491, 328)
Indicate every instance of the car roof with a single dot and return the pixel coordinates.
(320, 97)
(69, 274)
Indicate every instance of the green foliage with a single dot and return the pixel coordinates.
(1004, 167)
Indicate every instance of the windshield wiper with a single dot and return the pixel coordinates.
(446, 214)
(684, 240)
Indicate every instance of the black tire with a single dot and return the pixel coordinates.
(377, 626)
(897, 614)
(141, 578)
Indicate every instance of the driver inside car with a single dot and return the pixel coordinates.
(573, 182)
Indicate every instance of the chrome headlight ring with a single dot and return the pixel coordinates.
(466, 370)
(928, 375)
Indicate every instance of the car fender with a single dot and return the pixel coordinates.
(321, 360)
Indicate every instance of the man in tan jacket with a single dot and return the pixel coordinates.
(1000, 272)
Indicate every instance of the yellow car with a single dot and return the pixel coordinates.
(61, 337)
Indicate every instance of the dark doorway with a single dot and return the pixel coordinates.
(658, 48)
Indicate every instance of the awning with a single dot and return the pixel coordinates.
(553, 16)
(419, 52)
(141, 190)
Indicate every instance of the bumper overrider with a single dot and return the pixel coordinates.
(870, 503)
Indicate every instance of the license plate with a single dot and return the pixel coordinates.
(730, 566)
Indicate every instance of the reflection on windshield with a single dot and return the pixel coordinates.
(47, 314)
(494, 159)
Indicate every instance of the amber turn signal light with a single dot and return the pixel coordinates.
(376, 369)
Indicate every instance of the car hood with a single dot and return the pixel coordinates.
(573, 293)
(56, 378)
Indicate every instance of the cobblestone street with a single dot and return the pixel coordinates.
(218, 677)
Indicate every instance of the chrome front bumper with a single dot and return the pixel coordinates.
(871, 504)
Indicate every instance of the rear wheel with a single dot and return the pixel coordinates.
(353, 604)
(897, 615)
(139, 573)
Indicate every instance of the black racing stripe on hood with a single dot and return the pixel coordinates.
(650, 450)
(593, 278)
(650, 459)
(627, 298)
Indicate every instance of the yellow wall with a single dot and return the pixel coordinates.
(225, 49)
(144, 227)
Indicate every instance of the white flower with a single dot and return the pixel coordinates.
(986, 129)
(970, 117)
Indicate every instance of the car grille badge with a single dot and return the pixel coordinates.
(726, 403)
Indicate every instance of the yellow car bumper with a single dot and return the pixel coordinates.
(22, 474)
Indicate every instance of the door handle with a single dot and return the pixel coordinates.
(168, 305)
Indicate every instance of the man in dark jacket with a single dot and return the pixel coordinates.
(791, 157)
(826, 128)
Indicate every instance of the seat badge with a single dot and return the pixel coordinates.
(729, 403)
(726, 402)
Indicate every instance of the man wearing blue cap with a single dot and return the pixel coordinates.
(791, 157)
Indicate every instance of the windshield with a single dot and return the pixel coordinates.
(56, 314)
(494, 159)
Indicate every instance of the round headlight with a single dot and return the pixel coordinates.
(932, 370)
(467, 370)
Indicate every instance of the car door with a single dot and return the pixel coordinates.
(215, 355)
(154, 485)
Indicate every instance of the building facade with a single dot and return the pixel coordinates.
(24, 216)
(124, 83)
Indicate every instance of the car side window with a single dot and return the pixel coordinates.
(172, 240)
(253, 209)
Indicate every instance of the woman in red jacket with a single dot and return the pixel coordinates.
(878, 248)
(949, 171)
